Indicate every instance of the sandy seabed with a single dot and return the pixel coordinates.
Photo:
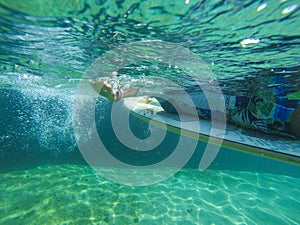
(76, 194)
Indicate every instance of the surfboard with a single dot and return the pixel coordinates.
(237, 138)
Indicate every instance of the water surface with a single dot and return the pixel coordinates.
(251, 47)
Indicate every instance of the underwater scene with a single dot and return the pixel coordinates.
(70, 155)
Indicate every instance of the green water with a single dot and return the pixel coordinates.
(251, 47)
(70, 194)
(58, 40)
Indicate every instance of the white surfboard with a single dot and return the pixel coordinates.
(253, 142)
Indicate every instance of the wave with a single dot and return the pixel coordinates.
(236, 39)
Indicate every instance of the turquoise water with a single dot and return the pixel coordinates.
(251, 47)
(74, 194)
